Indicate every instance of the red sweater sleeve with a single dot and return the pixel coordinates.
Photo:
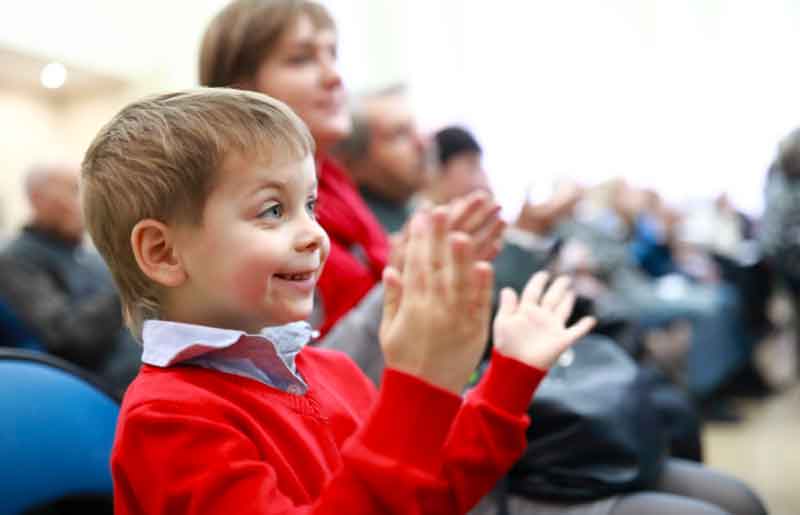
(169, 460)
(488, 435)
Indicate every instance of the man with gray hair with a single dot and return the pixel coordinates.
(60, 290)
(386, 155)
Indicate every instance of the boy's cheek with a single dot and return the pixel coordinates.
(325, 252)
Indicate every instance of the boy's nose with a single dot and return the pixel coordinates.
(311, 238)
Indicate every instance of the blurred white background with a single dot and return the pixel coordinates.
(688, 96)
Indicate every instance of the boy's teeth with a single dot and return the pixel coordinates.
(293, 277)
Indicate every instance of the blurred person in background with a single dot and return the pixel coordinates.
(61, 290)
(386, 155)
(780, 225)
(528, 244)
(720, 343)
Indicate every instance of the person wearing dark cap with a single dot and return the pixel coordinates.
(528, 243)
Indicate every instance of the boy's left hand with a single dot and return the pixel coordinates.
(532, 329)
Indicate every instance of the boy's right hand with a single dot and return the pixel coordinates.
(436, 312)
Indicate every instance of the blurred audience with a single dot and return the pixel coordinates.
(780, 226)
(389, 161)
(61, 290)
(623, 246)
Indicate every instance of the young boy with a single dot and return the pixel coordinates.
(202, 203)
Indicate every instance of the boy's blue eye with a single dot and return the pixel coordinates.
(273, 211)
(311, 207)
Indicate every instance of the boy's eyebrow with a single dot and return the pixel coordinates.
(265, 185)
(279, 185)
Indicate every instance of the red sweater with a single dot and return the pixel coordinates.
(359, 245)
(196, 441)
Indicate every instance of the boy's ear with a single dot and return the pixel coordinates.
(153, 247)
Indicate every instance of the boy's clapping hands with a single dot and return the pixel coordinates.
(437, 309)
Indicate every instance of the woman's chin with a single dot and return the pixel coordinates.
(329, 134)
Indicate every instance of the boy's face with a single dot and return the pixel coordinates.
(255, 259)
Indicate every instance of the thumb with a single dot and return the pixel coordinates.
(392, 293)
(580, 329)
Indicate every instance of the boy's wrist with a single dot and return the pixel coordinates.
(411, 420)
(439, 376)
(510, 383)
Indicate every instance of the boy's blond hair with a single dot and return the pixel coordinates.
(244, 33)
(159, 158)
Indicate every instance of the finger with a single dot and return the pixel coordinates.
(495, 250)
(489, 241)
(392, 293)
(464, 207)
(399, 241)
(555, 293)
(508, 303)
(460, 272)
(580, 329)
(439, 252)
(564, 309)
(483, 284)
(416, 271)
(533, 290)
(481, 218)
(438, 244)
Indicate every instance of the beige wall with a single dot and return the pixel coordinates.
(27, 130)
(35, 128)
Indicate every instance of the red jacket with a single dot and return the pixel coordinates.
(196, 441)
(359, 245)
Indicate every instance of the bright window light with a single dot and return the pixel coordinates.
(53, 75)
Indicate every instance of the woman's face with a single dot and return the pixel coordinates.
(301, 71)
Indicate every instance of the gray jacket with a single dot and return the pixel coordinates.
(65, 296)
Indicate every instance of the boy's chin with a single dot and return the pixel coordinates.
(291, 315)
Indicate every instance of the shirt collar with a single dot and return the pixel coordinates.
(268, 357)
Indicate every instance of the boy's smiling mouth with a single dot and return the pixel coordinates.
(296, 276)
(302, 281)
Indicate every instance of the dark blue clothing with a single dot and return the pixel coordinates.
(650, 251)
(65, 295)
